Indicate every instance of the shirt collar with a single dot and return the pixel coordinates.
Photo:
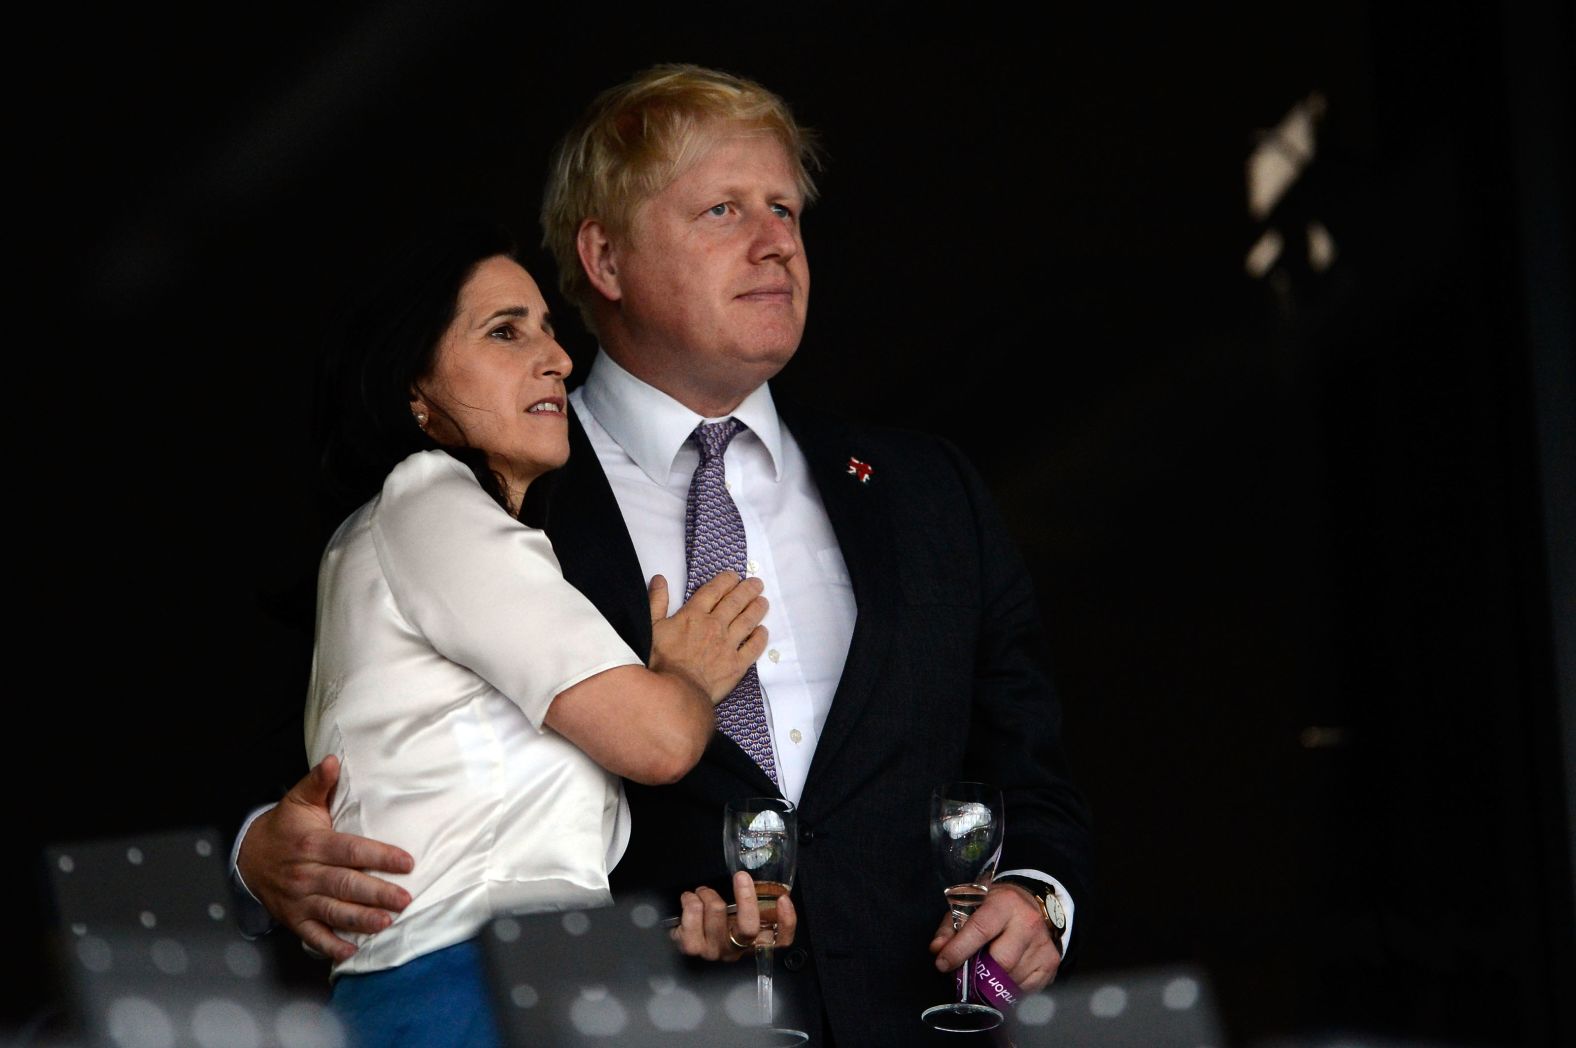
(651, 426)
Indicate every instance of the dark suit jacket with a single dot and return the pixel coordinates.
(944, 681)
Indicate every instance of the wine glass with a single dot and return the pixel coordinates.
(760, 836)
(965, 841)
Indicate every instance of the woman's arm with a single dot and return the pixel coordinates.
(652, 725)
(485, 591)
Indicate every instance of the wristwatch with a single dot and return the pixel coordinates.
(1050, 906)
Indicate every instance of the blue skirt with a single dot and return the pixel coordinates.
(438, 1000)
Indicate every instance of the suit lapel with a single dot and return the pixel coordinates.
(860, 515)
(581, 517)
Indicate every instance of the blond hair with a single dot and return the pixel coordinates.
(635, 139)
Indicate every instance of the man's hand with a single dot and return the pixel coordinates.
(705, 929)
(310, 878)
(1011, 921)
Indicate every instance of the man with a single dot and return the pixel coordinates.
(903, 630)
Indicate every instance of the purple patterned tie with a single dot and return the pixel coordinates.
(714, 542)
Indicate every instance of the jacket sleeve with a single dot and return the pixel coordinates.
(1015, 715)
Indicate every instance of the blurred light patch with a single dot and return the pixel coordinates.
(1321, 247)
(243, 960)
(1317, 737)
(740, 1005)
(1281, 155)
(136, 1022)
(675, 1010)
(305, 1024)
(1108, 1002)
(221, 1023)
(95, 954)
(1037, 1010)
(598, 1014)
(169, 956)
(1180, 994)
(1263, 254)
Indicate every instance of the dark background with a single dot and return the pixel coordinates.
(1294, 536)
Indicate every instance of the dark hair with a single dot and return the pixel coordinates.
(382, 344)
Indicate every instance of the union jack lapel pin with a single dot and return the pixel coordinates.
(862, 470)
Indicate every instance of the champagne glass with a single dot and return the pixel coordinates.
(965, 842)
(760, 836)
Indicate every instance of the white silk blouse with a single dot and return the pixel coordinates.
(444, 631)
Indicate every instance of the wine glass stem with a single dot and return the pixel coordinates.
(966, 989)
(763, 982)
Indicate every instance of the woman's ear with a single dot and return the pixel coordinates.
(418, 408)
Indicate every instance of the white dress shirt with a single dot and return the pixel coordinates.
(641, 436)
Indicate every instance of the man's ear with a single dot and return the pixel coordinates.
(598, 259)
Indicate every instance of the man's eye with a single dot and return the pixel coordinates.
(782, 211)
(717, 210)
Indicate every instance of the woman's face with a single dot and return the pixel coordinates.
(497, 381)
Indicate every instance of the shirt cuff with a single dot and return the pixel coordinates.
(1061, 896)
(254, 920)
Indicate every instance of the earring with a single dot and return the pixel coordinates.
(421, 419)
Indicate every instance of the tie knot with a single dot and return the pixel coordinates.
(713, 437)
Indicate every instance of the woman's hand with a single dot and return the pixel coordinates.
(706, 930)
(714, 637)
(653, 726)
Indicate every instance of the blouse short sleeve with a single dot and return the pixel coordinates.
(485, 590)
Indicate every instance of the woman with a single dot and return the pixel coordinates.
(480, 708)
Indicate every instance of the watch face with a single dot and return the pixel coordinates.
(1053, 906)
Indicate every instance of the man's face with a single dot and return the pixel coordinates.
(712, 276)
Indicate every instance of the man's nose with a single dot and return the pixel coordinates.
(773, 238)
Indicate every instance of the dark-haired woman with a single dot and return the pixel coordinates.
(481, 709)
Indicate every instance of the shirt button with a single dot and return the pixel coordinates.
(752, 567)
(796, 735)
(774, 654)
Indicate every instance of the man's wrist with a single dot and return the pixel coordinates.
(1045, 896)
(253, 919)
(235, 850)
